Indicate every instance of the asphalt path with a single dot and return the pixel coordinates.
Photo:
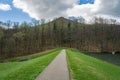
(57, 69)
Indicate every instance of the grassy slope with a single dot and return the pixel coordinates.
(27, 70)
(32, 56)
(83, 67)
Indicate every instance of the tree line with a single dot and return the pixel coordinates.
(101, 36)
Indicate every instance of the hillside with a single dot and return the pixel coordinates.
(61, 32)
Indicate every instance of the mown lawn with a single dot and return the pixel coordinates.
(83, 67)
(27, 70)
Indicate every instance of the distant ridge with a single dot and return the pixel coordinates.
(62, 19)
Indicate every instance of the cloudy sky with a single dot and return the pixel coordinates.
(25, 10)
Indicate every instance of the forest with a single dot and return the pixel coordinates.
(103, 35)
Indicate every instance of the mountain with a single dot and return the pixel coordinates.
(61, 22)
(62, 19)
(60, 32)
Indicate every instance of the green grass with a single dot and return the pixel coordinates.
(83, 67)
(32, 56)
(27, 70)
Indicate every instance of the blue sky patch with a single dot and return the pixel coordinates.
(15, 14)
(86, 1)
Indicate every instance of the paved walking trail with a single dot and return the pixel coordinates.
(57, 69)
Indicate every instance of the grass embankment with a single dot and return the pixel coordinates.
(32, 56)
(83, 67)
(27, 70)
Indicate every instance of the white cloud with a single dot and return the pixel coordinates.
(44, 8)
(99, 8)
(54, 8)
(5, 7)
